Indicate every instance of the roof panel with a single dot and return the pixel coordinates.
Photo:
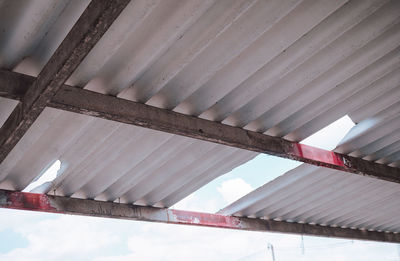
(285, 68)
(328, 197)
(109, 159)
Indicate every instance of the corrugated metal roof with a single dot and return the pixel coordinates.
(376, 137)
(309, 194)
(285, 68)
(107, 160)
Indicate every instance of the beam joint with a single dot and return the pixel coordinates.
(90, 27)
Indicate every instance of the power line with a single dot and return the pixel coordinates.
(311, 248)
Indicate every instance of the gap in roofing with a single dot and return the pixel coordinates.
(6, 108)
(45, 178)
(235, 184)
(329, 137)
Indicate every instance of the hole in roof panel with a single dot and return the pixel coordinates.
(330, 136)
(6, 108)
(235, 184)
(45, 178)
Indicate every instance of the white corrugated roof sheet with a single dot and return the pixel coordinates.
(313, 195)
(282, 67)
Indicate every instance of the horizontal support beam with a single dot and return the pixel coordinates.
(65, 205)
(116, 109)
(87, 31)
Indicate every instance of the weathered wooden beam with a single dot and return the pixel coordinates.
(112, 108)
(14, 85)
(65, 205)
(91, 25)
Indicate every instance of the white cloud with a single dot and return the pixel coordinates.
(233, 189)
(173, 242)
(64, 238)
(194, 203)
(61, 238)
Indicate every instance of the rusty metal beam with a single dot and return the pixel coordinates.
(112, 108)
(65, 205)
(91, 25)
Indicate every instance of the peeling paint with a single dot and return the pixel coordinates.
(26, 201)
(196, 218)
(316, 154)
(57, 204)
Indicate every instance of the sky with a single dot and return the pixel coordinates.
(26, 235)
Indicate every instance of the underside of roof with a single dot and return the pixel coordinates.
(106, 160)
(285, 68)
(313, 195)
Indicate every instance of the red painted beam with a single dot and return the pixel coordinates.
(203, 219)
(65, 205)
(319, 155)
(26, 201)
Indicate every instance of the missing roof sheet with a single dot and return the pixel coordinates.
(46, 177)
